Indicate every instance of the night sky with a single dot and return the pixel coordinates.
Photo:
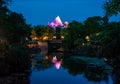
(40, 12)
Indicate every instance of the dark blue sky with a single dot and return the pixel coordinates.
(39, 12)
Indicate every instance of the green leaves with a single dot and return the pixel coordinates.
(93, 24)
(112, 7)
(109, 37)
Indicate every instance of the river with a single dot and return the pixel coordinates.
(60, 68)
(54, 68)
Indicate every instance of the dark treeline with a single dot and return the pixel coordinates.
(14, 54)
(96, 35)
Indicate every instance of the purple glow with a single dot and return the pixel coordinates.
(56, 62)
(58, 23)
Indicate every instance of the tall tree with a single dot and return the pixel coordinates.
(47, 31)
(112, 7)
(93, 24)
(16, 29)
(4, 11)
(38, 30)
(73, 33)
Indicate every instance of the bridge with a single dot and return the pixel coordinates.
(55, 45)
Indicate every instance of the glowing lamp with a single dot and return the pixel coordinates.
(87, 38)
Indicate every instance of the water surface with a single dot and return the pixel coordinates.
(59, 70)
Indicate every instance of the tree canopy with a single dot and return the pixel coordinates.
(112, 7)
(12, 25)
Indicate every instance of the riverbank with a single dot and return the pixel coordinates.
(95, 61)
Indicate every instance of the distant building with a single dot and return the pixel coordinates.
(58, 23)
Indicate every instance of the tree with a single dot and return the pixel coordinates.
(72, 33)
(78, 42)
(38, 30)
(109, 38)
(33, 34)
(47, 31)
(15, 58)
(12, 25)
(4, 11)
(58, 32)
(64, 32)
(112, 7)
(72, 66)
(93, 25)
(16, 28)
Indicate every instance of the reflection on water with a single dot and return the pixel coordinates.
(57, 62)
(14, 69)
(54, 68)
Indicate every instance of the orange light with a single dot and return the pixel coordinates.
(87, 38)
(54, 37)
(62, 37)
(45, 38)
(83, 44)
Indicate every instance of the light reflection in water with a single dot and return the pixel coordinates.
(65, 70)
(56, 62)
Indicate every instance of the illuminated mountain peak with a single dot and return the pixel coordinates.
(57, 23)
